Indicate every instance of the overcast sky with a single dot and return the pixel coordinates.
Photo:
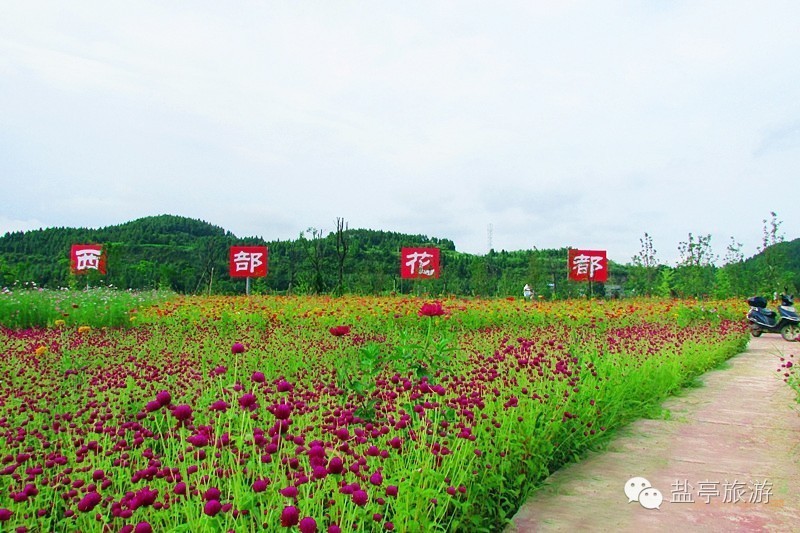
(554, 123)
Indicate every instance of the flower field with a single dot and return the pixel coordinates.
(329, 414)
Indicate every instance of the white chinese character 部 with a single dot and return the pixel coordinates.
(583, 264)
(248, 262)
(420, 260)
(87, 259)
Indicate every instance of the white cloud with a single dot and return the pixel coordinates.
(558, 123)
(10, 225)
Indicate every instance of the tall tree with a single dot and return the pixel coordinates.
(694, 275)
(773, 274)
(645, 267)
(342, 246)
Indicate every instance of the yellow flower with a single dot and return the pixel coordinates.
(41, 350)
(59, 323)
(84, 329)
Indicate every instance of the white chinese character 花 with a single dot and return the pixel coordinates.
(248, 262)
(420, 260)
(87, 259)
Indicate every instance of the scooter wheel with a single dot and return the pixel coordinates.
(790, 332)
(755, 331)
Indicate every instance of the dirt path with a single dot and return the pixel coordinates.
(732, 446)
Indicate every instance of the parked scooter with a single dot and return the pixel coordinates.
(763, 320)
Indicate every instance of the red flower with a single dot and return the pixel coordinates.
(237, 347)
(339, 331)
(431, 309)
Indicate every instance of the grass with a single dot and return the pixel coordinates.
(97, 307)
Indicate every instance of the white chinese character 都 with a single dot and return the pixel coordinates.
(583, 264)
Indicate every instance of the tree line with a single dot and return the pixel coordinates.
(191, 256)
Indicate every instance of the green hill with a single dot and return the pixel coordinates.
(191, 256)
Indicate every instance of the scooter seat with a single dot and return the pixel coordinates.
(769, 313)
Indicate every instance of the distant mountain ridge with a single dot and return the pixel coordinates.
(191, 256)
(175, 252)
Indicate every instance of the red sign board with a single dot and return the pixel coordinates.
(419, 263)
(588, 265)
(86, 257)
(248, 261)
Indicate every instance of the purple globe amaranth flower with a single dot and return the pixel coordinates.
(289, 492)
(163, 397)
(237, 347)
(213, 493)
(212, 508)
(248, 401)
(258, 377)
(336, 465)
(182, 412)
(391, 490)
(319, 472)
(198, 441)
(5, 515)
(376, 478)
(282, 411)
(180, 488)
(219, 405)
(260, 485)
(143, 527)
(152, 406)
(89, 502)
(307, 525)
(333, 528)
(360, 498)
(284, 386)
(290, 516)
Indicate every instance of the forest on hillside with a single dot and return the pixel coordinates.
(191, 256)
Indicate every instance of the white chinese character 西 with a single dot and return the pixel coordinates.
(87, 259)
